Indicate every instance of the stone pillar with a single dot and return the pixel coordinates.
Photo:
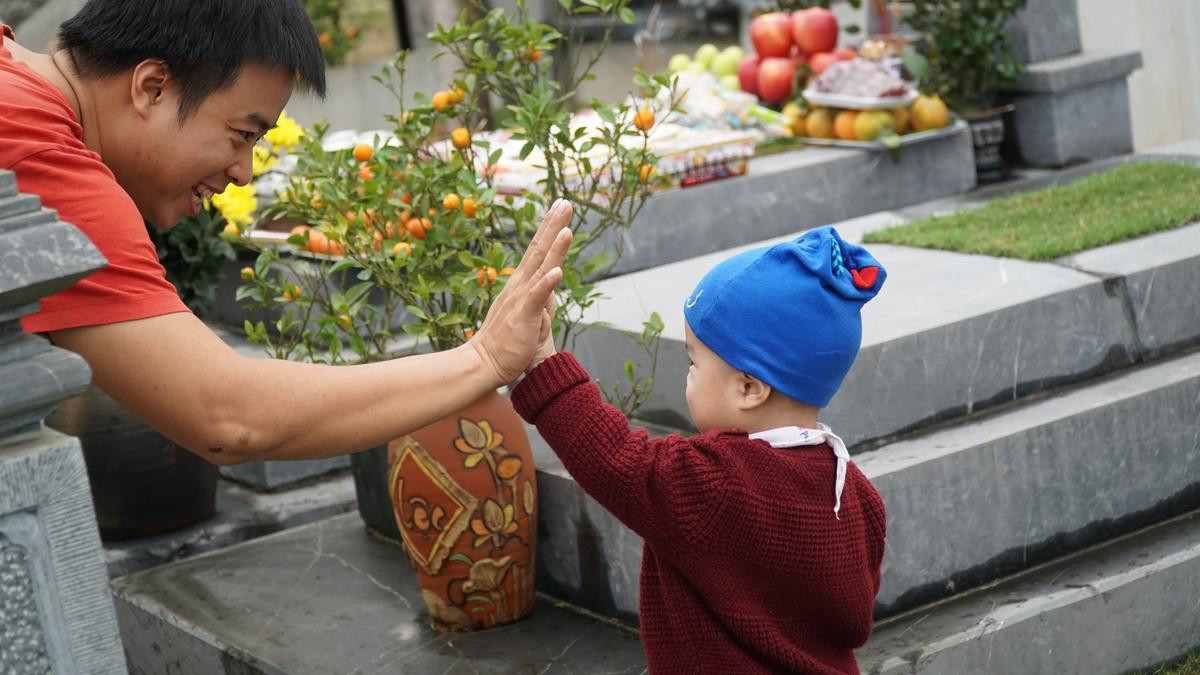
(1071, 105)
(56, 612)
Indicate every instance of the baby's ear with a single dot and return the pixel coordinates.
(752, 392)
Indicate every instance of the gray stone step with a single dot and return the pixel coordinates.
(984, 499)
(966, 504)
(949, 334)
(1123, 607)
(328, 598)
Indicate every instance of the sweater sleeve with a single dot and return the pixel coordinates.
(668, 490)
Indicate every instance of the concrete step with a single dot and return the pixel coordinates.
(986, 498)
(1128, 605)
(966, 504)
(950, 334)
(328, 598)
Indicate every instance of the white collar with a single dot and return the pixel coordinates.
(792, 437)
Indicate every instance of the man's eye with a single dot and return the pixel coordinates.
(248, 136)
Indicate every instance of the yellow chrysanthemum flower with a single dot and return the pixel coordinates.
(287, 132)
(263, 160)
(237, 204)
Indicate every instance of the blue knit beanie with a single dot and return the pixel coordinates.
(789, 314)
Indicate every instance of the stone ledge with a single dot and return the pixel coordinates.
(793, 190)
(1121, 608)
(328, 598)
(1078, 70)
(242, 514)
(1157, 272)
(1036, 481)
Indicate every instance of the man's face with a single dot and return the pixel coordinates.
(168, 168)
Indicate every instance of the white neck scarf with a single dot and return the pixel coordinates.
(792, 437)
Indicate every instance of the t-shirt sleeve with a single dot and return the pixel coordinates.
(85, 194)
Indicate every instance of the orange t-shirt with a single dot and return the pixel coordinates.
(42, 143)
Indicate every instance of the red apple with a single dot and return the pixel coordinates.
(815, 29)
(776, 78)
(771, 34)
(747, 73)
(845, 54)
(819, 62)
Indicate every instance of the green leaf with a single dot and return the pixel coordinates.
(417, 312)
(627, 15)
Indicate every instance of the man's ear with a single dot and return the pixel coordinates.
(148, 86)
(752, 392)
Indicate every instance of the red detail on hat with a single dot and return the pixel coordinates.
(865, 278)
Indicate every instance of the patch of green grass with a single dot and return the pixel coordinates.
(1188, 666)
(1123, 203)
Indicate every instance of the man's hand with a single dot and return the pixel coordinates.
(516, 324)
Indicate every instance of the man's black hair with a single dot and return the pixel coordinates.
(204, 43)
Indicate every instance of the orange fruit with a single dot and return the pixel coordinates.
(337, 248)
(457, 94)
(366, 173)
(377, 241)
(843, 125)
(643, 120)
(468, 333)
(507, 271)
(461, 138)
(247, 274)
(441, 101)
(819, 124)
(291, 292)
(351, 32)
(929, 112)
(316, 202)
(406, 198)
(416, 227)
(470, 207)
(318, 242)
(431, 211)
(326, 40)
(402, 248)
(486, 275)
(646, 173)
(362, 152)
(345, 320)
(232, 230)
(450, 202)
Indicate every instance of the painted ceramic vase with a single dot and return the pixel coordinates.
(464, 495)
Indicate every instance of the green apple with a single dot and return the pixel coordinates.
(678, 63)
(735, 53)
(725, 64)
(695, 67)
(731, 82)
(705, 54)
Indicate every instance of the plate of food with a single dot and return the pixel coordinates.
(859, 85)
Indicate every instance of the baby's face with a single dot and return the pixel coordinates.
(712, 387)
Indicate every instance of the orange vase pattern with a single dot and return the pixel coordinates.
(464, 494)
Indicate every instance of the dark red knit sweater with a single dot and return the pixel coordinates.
(745, 568)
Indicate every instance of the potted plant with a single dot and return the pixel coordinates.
(413, 236)
(969, 62)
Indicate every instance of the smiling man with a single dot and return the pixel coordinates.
(148, 107)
